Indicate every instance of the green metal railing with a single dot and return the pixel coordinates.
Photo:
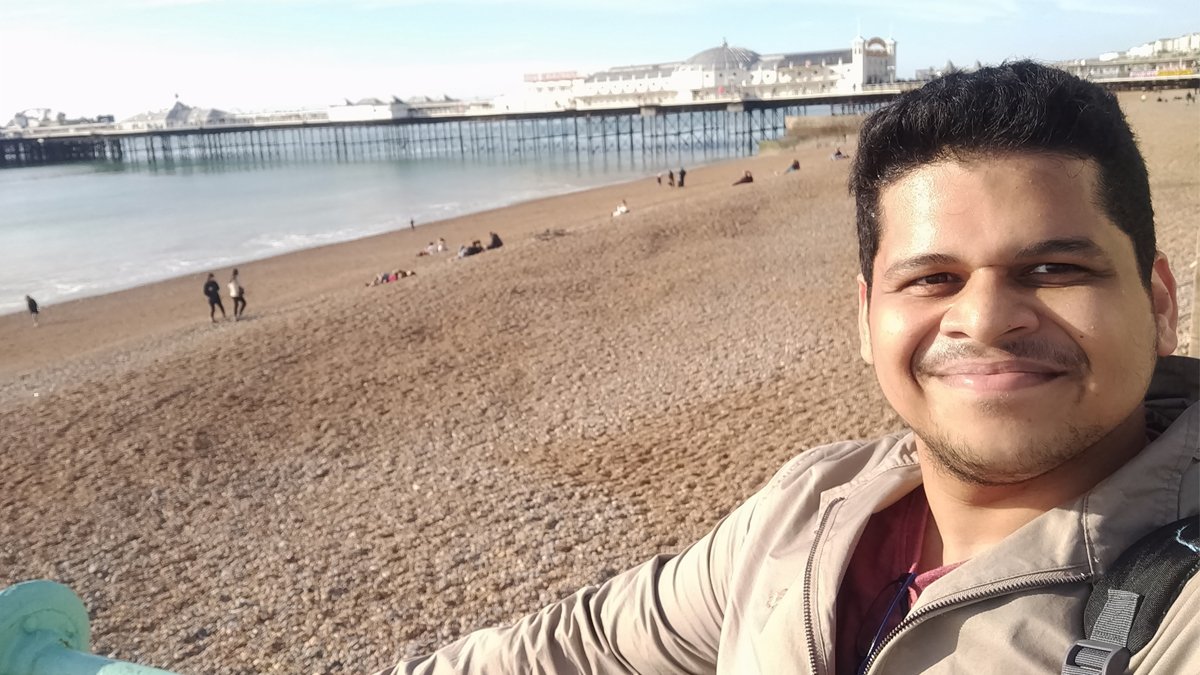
(44, 631)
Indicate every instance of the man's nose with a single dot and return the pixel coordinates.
(989, 309)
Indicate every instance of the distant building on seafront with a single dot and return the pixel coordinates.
(177, 116)
(446, 106)
(46, 122)
(720, 73)
(368, 109)
(417, 106)
(181, 116)
(1161, 61)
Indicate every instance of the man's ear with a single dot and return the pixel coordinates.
(864, 323)
(1164, 304)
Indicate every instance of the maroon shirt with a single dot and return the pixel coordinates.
(889, 549)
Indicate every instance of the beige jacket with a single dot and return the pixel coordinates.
(756, 595)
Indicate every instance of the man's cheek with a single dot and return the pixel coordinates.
(895, 335)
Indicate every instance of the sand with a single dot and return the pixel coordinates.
(353, 474)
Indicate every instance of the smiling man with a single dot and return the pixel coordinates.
(1020, 319)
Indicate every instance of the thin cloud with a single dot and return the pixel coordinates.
(1109, 8)
(941, 11)
(938, 11)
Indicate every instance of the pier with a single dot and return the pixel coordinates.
(652, 134)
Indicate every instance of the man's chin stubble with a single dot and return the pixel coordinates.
(967, 464)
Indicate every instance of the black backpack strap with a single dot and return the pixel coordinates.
(1128, 604)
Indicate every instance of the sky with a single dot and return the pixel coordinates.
(122, 57)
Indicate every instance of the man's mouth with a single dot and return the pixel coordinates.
(997, 376)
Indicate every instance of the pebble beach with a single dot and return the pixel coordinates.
(354, 474)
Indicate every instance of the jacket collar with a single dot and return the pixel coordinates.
(1082, 536)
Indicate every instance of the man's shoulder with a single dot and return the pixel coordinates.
(844, 461)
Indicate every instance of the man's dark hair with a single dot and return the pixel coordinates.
(1019, 106)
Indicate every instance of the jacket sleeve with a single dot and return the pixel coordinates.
(1173, 647)
(664, 615)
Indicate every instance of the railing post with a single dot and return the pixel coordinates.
(44, 631)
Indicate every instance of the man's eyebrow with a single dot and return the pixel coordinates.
(904, 267)
(1077, 245)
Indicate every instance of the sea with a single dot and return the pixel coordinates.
(70, 231)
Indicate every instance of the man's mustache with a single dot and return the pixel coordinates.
(945, 355)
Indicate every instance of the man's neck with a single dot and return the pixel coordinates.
(967, 518)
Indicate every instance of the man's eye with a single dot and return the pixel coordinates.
(1054, 268)
(934, 279)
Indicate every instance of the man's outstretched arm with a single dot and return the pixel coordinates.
(664, 615)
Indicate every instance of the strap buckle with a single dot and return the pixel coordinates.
(1093, 657)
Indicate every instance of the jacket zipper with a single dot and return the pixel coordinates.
(808, 571)
(974, 596)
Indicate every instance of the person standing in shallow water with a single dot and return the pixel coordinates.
(33, 308)
(212, 291)
(238, 294)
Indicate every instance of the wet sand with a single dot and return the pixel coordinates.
(352, 474)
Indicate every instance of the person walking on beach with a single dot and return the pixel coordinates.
(1019, 319)
(212, 291)
(671, 178)
(33, 308)
(682, 175)
(238, 294)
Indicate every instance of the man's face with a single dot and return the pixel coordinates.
(1006, 321)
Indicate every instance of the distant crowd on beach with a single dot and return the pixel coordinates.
(464, 251)
(677, 180)
(237, 293)
(436, 248)
(1190, 98)
(212, 292)
(671, 182)
(748, 177)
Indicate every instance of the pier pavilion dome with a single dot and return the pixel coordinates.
(724, 58)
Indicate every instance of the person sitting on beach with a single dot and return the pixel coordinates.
(388, 277)
(475, 248)
(428, 250)
(441, 245)
(494, 242)
(746, 178)
(838, 155)
(794, 166)
(33, 308)
(621, 209)
(1020, 321)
